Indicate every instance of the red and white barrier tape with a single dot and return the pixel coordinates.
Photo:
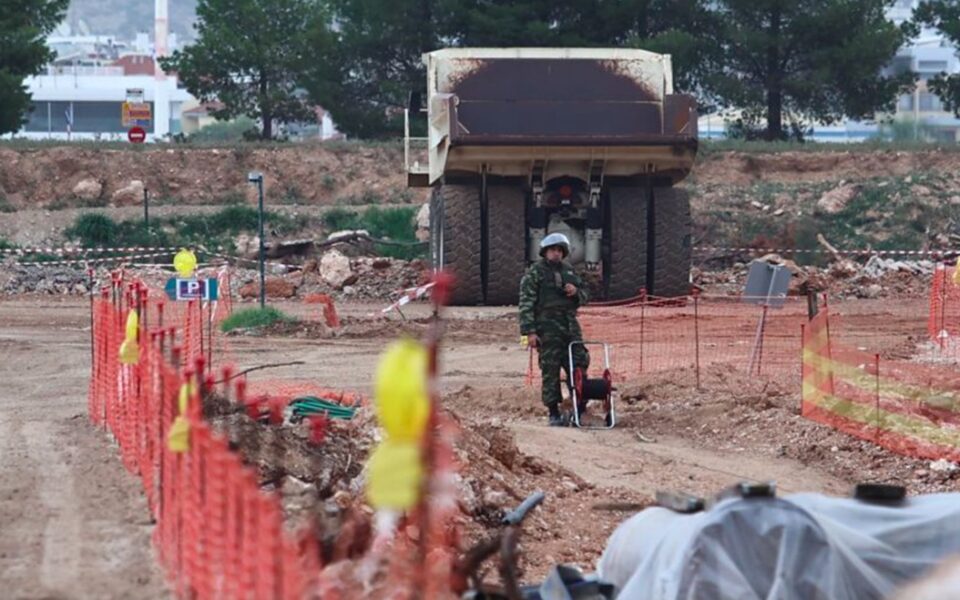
(86, 251)
(88, 261)
(863, 252)
(409, 295)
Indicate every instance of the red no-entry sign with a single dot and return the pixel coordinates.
(137, 135)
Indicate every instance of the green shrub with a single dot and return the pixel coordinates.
(93, 229)
(394, 223)
(249, 318)
(212, 230)
(224, 131)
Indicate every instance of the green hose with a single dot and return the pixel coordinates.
(306, 406)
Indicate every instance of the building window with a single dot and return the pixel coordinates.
(905, 102)
(901, 64)
(934, 66)
(37, 118)
(88, 117)
(930, 102)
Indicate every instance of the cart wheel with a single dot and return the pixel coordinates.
(578, 377)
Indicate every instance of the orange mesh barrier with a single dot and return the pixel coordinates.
(906, 407)
(327, 312)
(943, 324)
(693, 332)
(218, 535)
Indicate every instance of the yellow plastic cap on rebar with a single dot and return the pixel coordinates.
(185, 262)
(129, 352)
(129, 349)
(184, 397)
(394, 475)
(133, 325)
(401, 390)
(178, 439)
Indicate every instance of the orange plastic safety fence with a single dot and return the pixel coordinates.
(909, 408)
(691, 333)
(218, 535)
(943, 324)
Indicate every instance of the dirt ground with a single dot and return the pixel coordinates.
(331, 173)
(75, 525)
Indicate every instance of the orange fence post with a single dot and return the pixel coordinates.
(942, 329)
(803, 345)
(696, 332)
(643, 306)
(876, 364)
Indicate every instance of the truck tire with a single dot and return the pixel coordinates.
(456, 240)
(625, 267)
(671, 231)
(506, 243)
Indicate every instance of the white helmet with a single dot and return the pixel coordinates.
(555, 239)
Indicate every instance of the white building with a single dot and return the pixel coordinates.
(80, 95)
(94, 96)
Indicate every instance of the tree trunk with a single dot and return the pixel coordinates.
(774, 114)
(774, 79)
(266, 132)
(266, 110)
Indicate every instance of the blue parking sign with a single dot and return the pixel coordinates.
(192, 289)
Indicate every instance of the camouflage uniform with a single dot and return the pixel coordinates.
(547, 311)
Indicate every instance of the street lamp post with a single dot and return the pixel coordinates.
(257, 178)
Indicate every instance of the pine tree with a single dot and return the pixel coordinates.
(803, 59)
(24, 25)
(250, 55)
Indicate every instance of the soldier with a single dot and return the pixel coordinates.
(550, 294)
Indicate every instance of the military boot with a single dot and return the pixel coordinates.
(556, 419)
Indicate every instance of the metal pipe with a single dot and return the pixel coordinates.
(696, 333)
(876, 362)
(263, 277)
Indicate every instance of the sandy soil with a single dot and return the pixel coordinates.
(74, 523)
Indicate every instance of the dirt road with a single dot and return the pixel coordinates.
(73, 523)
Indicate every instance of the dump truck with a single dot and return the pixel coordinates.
(524, 142)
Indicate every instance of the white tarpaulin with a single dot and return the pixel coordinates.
(802, 547)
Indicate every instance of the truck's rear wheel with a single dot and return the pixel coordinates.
(456, 239)
(671, 230)
(506, 243)
(625, 264)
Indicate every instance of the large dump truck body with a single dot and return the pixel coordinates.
(524, 142)
(568, 108)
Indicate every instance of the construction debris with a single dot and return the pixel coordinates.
(838, 198)
(335, 269)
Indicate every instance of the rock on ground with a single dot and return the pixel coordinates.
(335, 269)
(129, 195)
(837, 199)
(423, 223)
(88, 189)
